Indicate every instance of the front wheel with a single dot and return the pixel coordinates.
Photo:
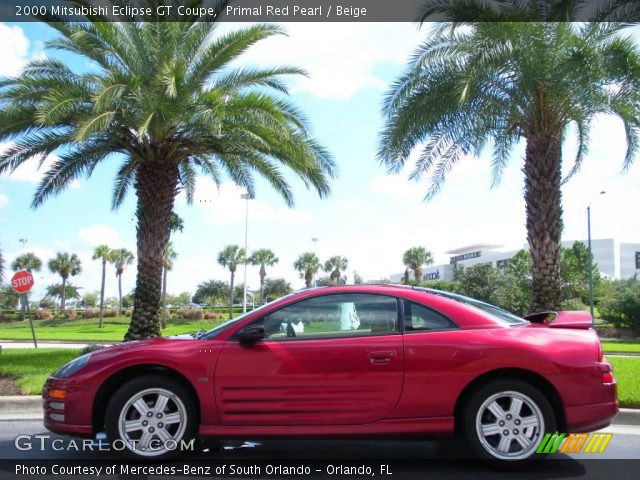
(506, 420)
(151, 416)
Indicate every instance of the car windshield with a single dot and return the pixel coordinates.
(492, 310)
(223, 326)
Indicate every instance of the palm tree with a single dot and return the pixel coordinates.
(415, 258)
(496, 83)
(27, 261)
(230, 258)
(265, 258)
(121, 257)
(65, 265)
(30, 262)
(1, 266)
(169, 256)
(103, 253)
(166, 99)
(335, 265)
(308, 265)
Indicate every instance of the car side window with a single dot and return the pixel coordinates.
(421, 318)
(330, 316)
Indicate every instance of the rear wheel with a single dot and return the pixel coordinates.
(506, 420)
(151, 416)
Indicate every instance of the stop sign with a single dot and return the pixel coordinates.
(22, 281)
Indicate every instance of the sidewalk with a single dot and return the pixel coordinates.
(48, 344)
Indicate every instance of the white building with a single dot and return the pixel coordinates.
(614, 259)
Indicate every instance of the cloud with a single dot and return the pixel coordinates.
(339, 57)
(224, 206)
(101, 235)
(4, 200)
(15, 49)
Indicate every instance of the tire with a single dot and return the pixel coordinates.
(151, 416)
(504, 422)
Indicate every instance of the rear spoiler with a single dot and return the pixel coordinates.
(569, 319)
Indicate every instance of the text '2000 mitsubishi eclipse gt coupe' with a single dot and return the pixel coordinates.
(347, 361)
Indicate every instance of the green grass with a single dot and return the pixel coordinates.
(627, 373)
(621, 346)
(87, 330)
(30, 367)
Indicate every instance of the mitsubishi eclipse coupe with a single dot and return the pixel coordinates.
(347, 361)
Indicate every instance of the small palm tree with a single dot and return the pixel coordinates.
(415, 258)
(308, 265)
(121, 257)
(27, 261)
(169, 256)
(230, 258)
(65, 265)
(335, 266)
(102, 253)
(165, 99)
(265, 258)
(30, 262)
(497, 83)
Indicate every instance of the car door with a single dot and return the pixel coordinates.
(332, 359)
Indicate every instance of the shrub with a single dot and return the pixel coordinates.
(92, 348)
(70, 314)
(574, 304)
(110, 313)
(40, 314)
(91, 313)
(622, 306)
(191, 313)
(127, 313)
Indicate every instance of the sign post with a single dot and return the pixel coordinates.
(21, 283)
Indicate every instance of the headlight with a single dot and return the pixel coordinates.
(73, 366)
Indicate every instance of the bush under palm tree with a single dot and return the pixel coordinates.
(230, 257)
(66, 265)
(497, 83)
(164, 99)
(264, 258)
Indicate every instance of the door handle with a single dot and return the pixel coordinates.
(381, 357)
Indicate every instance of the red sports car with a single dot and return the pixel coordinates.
(347, 361)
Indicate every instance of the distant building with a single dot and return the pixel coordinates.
(614, 260)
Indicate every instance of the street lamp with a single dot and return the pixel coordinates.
(315, 246)
(247, 197)
(591, 258)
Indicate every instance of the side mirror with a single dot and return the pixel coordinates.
(251, 334)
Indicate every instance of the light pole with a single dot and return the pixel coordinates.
(246, 197)
(315, 246)
(591, 259)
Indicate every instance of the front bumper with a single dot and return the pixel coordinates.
(72, 414)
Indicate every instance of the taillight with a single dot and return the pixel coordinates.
(607, 377)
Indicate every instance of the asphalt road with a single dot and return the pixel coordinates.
(625, 444)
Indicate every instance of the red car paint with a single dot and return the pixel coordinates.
(406, 383)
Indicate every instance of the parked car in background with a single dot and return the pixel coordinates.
(345, 361)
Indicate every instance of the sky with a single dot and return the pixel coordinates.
(370, 217)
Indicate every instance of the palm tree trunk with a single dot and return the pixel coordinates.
(417, 273)
(231, 295)
(156, 188)
(164, 297)
(62, 298)
(104, 271)
(543, 197)
(263, 274)
(308, 278)
(120, 294)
